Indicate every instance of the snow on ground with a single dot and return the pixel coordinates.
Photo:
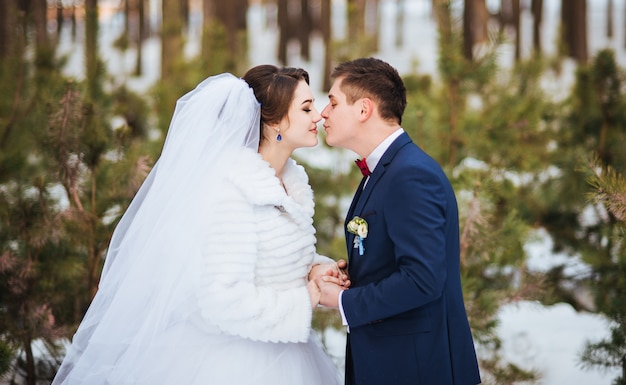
(546, 338)
(550, 339)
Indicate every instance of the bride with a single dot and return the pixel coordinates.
(209, 277)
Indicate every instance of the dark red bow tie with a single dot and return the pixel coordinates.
(363, 167)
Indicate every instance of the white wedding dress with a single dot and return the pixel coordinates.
(205, 277)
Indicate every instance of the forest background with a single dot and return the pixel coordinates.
(530, 132)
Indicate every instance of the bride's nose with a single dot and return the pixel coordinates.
(316, 116)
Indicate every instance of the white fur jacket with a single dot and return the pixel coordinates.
(259, 253)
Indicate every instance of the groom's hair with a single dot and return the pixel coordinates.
(374, 79)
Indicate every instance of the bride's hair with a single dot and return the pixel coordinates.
(274, 88)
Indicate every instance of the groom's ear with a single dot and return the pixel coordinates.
(367, 108)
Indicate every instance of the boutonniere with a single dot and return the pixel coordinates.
(358, 227)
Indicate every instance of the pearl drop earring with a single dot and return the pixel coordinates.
(278, 137)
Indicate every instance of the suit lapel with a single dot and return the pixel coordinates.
(362, 194)
(387, 157)
(355, 199)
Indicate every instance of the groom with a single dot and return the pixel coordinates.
(404, 311)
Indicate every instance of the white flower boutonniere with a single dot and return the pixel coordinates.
(358, 227)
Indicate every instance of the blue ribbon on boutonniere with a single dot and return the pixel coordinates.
(358, 227)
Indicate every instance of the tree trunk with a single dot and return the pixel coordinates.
(208, 20)
(516, 26)
(609, 19)
(624, 47)
(91, 48)
(141, 36)
(38, 9)
(502, 14)
(327, 34)
(12, 46)
(232, 14)
(171, 39)
(537, 11)
(579, 25)
(184, 8)
(283, 28)
(574, 29)
(31, 373)
(475, 19)
(59, 16)
(8, 28)
(400, 9)
(305, 29)
(127, 33)
(73, 19)
(42, 43)
(444, 27)
(373, 25)
(356, 25)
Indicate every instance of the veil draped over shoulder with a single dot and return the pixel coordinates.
(148, 282)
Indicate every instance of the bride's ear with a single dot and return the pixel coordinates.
(271, 131)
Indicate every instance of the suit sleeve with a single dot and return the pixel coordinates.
(413, 211)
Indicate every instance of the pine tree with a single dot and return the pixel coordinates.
(65, 177)
(609, 192)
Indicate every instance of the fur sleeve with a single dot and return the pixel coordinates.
(231, 297)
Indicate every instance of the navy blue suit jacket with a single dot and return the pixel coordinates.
(405, 309)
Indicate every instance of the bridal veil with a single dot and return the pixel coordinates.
(147, 281)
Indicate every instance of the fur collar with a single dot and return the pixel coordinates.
(254, 177)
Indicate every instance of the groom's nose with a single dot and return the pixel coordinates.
(325, 111)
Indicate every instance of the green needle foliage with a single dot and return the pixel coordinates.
(66, 176)
(73, 154)
(609, 273)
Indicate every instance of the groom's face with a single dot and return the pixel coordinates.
(340, 118)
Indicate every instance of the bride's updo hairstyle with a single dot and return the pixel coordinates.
(274, 88)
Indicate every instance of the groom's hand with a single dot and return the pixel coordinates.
(342, 265)
(337, 270)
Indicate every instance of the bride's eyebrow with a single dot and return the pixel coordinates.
(307, 101)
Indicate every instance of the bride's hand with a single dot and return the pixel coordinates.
(314, 293)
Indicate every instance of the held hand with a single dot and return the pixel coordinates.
(330, 288)
(336, 270)
(342, 266)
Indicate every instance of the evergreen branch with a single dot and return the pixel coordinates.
(66, 140)
(610, 189)
(474, 221)
(139, 173)
(607, 353)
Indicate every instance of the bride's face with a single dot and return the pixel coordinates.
(299, 127)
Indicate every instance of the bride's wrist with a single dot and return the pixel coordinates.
(314, 294)
(311, 271)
